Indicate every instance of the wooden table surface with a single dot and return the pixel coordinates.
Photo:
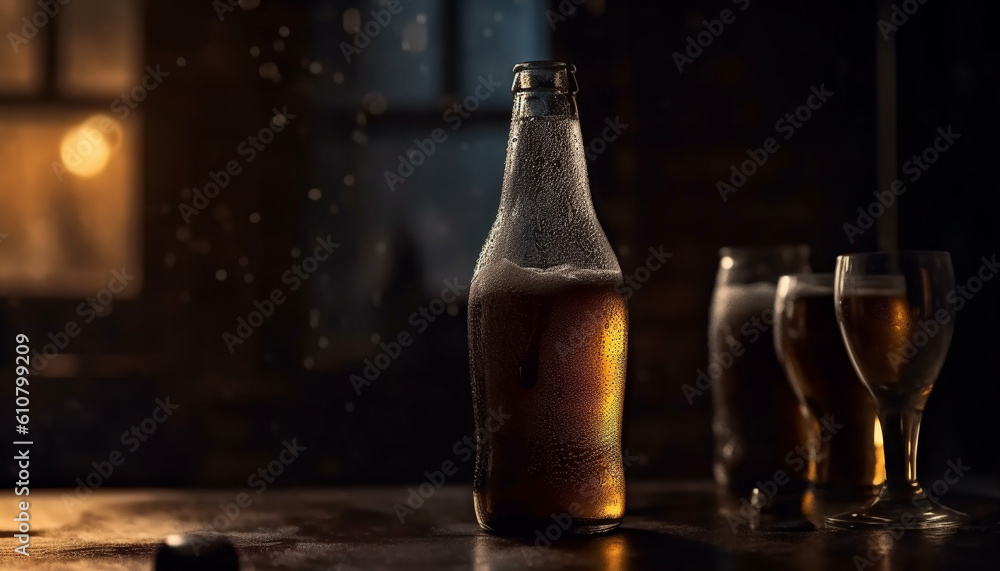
(668, 526)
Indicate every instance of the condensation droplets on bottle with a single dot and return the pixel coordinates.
(548, 330)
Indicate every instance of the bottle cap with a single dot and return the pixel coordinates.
(545, 76)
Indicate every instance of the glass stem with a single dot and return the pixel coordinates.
(900, 430)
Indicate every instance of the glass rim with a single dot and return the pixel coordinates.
(813, 278)
(897, 253)
(794, 286)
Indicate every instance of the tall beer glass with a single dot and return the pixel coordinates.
(845, 440)
(756, 418)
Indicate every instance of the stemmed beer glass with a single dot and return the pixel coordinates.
(896, 312)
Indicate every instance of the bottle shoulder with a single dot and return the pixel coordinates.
(528, 240)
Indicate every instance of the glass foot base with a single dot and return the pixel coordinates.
(906, 509)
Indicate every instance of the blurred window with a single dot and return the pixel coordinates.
(387, 84)
(99, 47)
(434, 64)
(69, 156)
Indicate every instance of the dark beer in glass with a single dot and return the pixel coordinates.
(756, 418)
(845, 438)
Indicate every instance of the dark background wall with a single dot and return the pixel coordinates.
(653, 186)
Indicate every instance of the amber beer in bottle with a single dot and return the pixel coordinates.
(548, 331)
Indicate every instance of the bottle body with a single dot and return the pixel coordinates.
(548, 335)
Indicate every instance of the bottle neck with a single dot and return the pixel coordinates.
(545, 103)
(546, 217)
(546, 214)
(545, 156)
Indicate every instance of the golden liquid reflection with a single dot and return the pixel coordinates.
(879, 474)
(614, 344)
(611, 362)
(609, 552)
(901, 325)
(809, 509)
(813, 431)
(613, 347)
(614, 552)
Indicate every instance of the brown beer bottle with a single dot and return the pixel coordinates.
(548, 331)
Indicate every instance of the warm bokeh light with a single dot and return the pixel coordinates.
(86, 149)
